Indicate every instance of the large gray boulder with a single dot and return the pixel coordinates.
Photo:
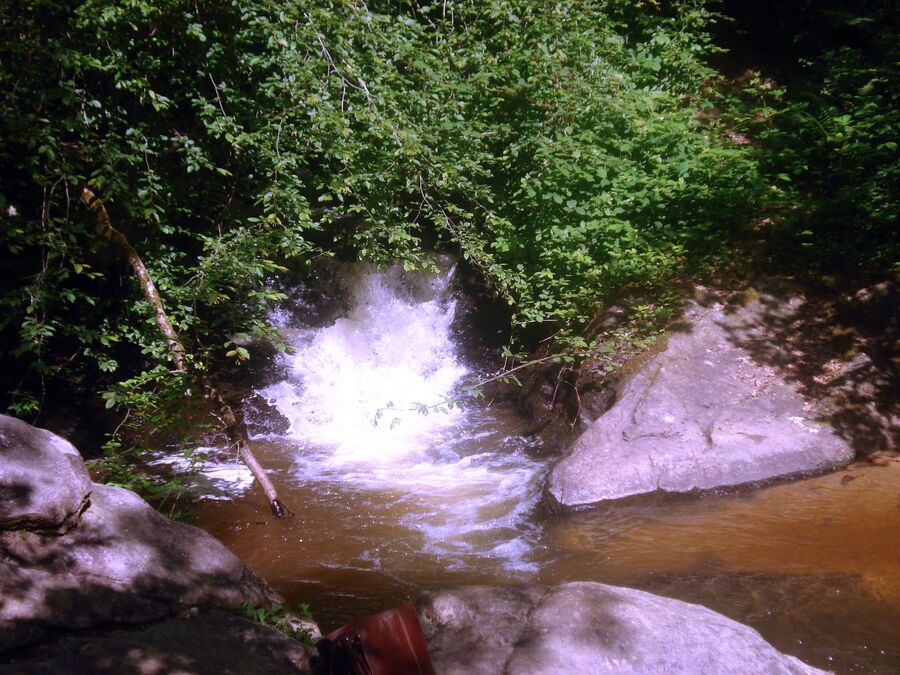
(148, 591)
(43, 482)
(589, 628)
(705, 413)
(76, 555)
(212, 643)
(124, 563)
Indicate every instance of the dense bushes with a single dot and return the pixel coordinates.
(563, 149)
(828, 128)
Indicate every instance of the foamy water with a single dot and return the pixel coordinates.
(222, 476)
(353, 386)
(356, 394)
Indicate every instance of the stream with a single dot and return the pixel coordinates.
(389, 501)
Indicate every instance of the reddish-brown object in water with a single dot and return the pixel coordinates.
(388, 643)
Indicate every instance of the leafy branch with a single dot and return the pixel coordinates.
(474, 390)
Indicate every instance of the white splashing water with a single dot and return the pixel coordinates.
(219, 478)
(354, 386)
(351, 393)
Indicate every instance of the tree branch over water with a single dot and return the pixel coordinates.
(234, 427)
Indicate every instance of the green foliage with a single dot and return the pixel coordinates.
(564, 150)
(276, 617)
(559, 148)
(117, 467)
(120, 466)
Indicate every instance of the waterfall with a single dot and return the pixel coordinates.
(353, 392)
(362, 385)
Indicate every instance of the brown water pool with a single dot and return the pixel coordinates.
(814, 564)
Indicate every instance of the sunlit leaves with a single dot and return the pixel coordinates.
(556, 147)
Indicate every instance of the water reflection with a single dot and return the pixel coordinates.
(814, 565)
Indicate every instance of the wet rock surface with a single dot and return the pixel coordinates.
(707, 412)
(588, 628)
(262, 418)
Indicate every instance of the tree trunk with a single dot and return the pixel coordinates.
(235, 428)
(237, 432)
(148, 288)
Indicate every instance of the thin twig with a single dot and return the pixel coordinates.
(116, 431)
(218, 98)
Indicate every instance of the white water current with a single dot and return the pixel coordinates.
(352, 386)
(457, 479)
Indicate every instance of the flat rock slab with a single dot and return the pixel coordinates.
(589, 628)
(213, 643)
(702, 414)
(124, 563)
(43, 482)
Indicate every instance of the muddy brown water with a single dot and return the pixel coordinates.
(813, 565)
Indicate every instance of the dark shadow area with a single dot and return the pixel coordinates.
(210, 643)
(839, 348)
(776, 37)
(18, 494)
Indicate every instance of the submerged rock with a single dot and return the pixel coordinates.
(43, 483)
(589, 628)
(705, 413)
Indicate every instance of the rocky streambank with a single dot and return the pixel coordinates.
(93, 580)
(750, 386)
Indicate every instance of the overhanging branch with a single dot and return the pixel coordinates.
(235, 428)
